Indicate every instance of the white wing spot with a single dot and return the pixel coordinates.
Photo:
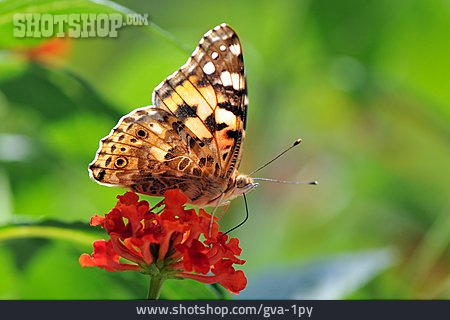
(225, 116)
(214, 55)
(171, 76)
(222, 47)
(151, 112)
(235, 49)
(226, 79)
(195, 51)
(236, 79)
(209, 68)
(156, 128)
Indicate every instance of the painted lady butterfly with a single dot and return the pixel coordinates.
(191, 138)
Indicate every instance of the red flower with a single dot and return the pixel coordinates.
(166, 245)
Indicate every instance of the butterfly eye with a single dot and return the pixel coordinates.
(121, 162)
(141, 133)
(241, 181)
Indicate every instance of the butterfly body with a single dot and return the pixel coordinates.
(191, 138)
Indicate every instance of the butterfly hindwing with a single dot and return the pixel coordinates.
(208, 94)
(150, 151)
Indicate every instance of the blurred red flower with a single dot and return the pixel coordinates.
(177, 243)
(52, 52)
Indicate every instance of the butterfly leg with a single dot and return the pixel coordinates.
(225, 207)
(214, 213)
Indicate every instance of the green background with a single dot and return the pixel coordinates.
(364, 83)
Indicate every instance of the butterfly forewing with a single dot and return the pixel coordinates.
(209, 95)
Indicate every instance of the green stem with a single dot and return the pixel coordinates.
(154, 289)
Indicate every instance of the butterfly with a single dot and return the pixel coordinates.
(191, 138)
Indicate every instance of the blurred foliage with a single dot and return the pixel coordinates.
(365, 84)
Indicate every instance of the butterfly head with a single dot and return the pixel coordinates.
(243, 184)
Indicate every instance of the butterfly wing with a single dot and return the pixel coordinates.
(209, 95)
(150, 151)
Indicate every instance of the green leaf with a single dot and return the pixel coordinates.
(55, 273)
(26, 240)
(64, 89)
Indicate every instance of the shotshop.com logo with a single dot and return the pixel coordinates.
(75, 25)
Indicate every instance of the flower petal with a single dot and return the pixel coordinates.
(105, 257)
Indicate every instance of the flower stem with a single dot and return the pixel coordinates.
(154, 289)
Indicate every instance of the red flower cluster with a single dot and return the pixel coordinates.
(170, 242)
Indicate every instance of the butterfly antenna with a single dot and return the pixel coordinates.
(243, 221)
(285, 181)
(296, 143)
